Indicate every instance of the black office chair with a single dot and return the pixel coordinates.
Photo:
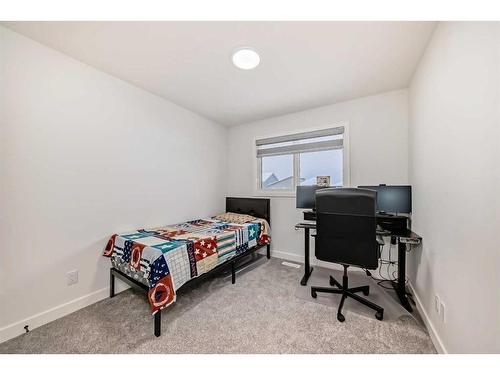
(346, 234)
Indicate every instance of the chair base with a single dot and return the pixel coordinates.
(345, 291)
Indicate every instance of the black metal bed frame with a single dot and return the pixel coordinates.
(258, 207)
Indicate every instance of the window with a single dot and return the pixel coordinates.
(277, 172)
(321, 163)
(287, 161)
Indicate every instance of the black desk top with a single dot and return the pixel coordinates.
(306, 225)
(312, 214)
(400, 233)
(405, 233)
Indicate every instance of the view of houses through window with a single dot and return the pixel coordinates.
(321, 163)
(278, 170)
(288, 160)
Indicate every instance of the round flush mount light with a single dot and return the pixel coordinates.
(246, 58)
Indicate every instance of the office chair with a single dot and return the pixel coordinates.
(346, 234)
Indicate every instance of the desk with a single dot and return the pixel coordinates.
(402, 237)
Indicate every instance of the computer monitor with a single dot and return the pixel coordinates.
(392, 198)
(306, 196)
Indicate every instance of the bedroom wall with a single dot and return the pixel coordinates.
(84, 155)
(454, 169)
(378, 133)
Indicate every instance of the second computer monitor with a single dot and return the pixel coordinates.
(392, 198)
(306, 196)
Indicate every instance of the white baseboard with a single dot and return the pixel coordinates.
(16, 329)
(287, 256)
(436, 340)
(300, 259)
(37, 320)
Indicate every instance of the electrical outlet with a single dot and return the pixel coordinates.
(437, 304)
(72, 277)
(442, 312)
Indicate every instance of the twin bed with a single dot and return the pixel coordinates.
(162, 261)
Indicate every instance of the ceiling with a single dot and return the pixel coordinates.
(303, 64)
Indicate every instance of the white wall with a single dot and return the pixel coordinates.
(378, 133)
(84, 155)
(454, 169)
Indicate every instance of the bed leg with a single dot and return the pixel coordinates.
(111, 284)
(158, 323)
(268, 252)
(233, 273)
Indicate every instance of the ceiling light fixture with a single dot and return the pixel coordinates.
(246, 58)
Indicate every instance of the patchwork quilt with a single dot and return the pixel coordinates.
(165, 258)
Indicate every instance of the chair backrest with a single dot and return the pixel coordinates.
(346, 227)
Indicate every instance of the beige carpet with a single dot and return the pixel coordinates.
(264, 312)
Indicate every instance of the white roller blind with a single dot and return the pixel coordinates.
(318, 140)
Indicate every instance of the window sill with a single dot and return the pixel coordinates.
(274, 194)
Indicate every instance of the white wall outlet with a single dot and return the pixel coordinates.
(437, 304)
(442, 312)
(72, 277)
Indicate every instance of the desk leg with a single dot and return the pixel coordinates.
(307, 267)
(401, 284)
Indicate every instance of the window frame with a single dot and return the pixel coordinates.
(257, 170)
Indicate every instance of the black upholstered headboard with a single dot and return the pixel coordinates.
(258, 207)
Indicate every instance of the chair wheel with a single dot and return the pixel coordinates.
(313, 294)
(379, 315)
(366, 291)
(340, 317)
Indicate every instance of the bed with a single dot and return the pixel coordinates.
(162, 261)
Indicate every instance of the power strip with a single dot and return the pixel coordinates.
(411, 241)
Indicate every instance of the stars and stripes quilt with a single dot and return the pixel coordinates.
(165, 258)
